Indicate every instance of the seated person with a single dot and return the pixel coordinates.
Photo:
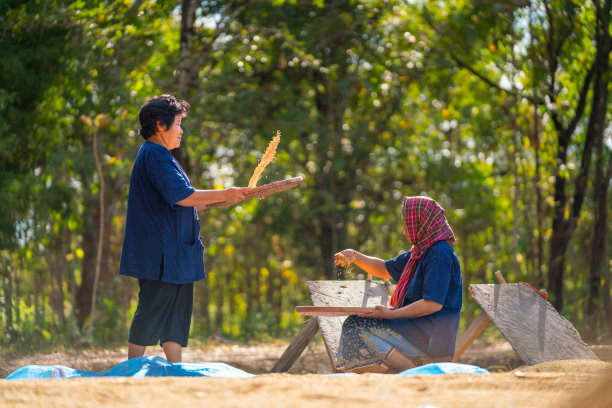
(426, 303)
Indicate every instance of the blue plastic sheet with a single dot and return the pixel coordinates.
(158, 367)
(137, 367)
(444, 368)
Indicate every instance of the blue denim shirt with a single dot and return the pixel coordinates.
(156, 229)
(437, 277)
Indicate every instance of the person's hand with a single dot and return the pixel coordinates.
(380, 312)
(345, 257)
(235, 194)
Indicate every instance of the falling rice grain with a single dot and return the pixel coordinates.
(267, 157)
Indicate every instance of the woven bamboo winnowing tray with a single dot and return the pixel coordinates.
(264, 190)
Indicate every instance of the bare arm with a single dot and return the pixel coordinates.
(376, 267)
(371, 265)
(201, 198)
(419, 308)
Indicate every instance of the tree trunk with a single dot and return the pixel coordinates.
(605, 266)
(113, 239)
(558, 247)
(35, 288)
(8, 300)
(257, 291)
(219, 311)
(187, 72)
(598, 259)
(90, 238)
(231, 281)
(540, 210)
(331, 104)
(599, 254)
(59, 263)
(100, 243)
(204, 303)
(271, 295)
(18, 294)
(74, 291)
(515, 193)
(563, 226)
(96, 248)
(250, 290)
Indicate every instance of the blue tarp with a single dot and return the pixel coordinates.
(158, 367)
(444, 368)
(137, 367)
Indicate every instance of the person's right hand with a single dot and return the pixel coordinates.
(345, 257)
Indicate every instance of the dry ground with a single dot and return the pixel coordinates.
(494, 355)
(552, 384)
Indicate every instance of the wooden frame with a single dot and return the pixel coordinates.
(371, 291)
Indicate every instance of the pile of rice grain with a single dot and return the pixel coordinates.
(568, 366)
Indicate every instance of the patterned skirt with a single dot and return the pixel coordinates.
(365, 341)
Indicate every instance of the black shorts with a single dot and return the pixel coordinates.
(163, 313)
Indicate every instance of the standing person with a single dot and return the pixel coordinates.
(426, 302)
(161, 246)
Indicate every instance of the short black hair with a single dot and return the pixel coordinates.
(161, 109)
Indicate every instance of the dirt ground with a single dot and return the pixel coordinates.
(495, 355)
(552, 384)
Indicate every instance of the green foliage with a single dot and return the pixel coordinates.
(375, 100)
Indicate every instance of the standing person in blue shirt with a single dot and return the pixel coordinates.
(426, 303)
(161, 246)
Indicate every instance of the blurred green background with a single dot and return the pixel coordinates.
(499, 110)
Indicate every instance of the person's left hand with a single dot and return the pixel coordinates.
(236, 194)
(380, 312)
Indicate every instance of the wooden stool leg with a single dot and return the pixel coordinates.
(477, 326)
(297, 346)
(470, 334)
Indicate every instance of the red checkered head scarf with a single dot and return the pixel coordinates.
(424, 225)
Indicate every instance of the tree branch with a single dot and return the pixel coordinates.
(488, 81)
(582, 101)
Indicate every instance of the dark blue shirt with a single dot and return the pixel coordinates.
(156, 229)
(437, 277)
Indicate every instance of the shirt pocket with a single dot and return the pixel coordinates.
(183, 262)
(187, 225)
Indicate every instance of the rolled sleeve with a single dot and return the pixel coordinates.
(167, 178)
(395, 266)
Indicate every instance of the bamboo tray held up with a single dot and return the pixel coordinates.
(264, 190)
